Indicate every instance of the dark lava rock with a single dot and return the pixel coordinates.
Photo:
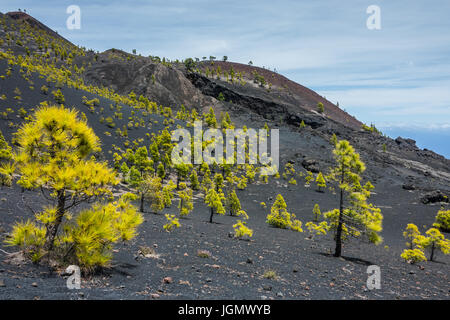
(311, 165)
(409, 186)
(433, 197)
(402, 142)
(312, 120)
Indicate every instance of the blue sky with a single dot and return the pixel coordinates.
(397, 78)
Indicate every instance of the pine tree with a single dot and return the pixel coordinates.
(124, 170)
(151, 191)
(167, 191)
(334, 140)
(411, 233)
(434, 241)
(358, 217)
(7, 168)
(54, 156)
(320, 181)
(320, 107)
(241, 230)
(308, 178)
(154, 153)
(443, 220)
(218, 181)
(242, 184)
(142, 161)
(233, 203)
(302, 124)
(194, 180)
(186, 204)
(210, 118)
(161, 172)
(316, 212)
(182, 170)
(5, 149)
(172, 222)
(214, 201)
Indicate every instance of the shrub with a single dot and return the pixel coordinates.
(241, 230)
(44, 89)
(270, 274)
(58, 96)
(320, 107)
(280, 218)
(203, 254)
(413, 255)
(443, 220)
(317, 230)
(172, 222)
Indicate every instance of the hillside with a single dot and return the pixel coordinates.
(130, 100)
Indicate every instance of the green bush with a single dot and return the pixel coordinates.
(443, 220)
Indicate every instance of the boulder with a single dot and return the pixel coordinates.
(434, 197)
(408, 186)
(402, 142)
(311, 165)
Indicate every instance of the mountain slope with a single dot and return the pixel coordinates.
(134, 95)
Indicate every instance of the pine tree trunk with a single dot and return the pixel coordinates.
(211, 216)
(432, 252)
(338, 250)
(142, 203)
(52, 229)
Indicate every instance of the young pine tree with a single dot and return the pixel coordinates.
(434, 241)
(182, 170)
(233, 203)
(160, 171)
(320, 181)
(316, 212)
(358, 217)
(167, 192)
(7, 168)
(186, 204)
(150, 190)
(411, 233)
(214, 201)
(54, 155)
(194, 180)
